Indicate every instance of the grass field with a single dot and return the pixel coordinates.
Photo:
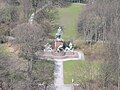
(68, 18)
(80, 71)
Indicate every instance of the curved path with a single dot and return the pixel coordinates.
(31, 19)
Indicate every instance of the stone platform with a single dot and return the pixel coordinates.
(61, 55)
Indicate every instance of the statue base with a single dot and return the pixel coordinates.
(56, 55)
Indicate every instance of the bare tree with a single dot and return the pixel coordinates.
(101, 23)
(43, 72)
(31, 39)
(4, 69)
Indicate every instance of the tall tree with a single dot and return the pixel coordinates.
(31, 38)
(100, 22)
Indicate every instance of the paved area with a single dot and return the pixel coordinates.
(59, 77)
(80, 57)
(58, 73)
(52, 58)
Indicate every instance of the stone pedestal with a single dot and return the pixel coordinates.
(58, 43)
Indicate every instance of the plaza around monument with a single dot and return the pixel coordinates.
(60, 49)
(59, 52)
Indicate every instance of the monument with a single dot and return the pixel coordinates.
(60, 49)
(59, 33)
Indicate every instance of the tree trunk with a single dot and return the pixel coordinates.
(30, 74)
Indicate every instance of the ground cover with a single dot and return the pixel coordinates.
(80, 71)
(5, 50)
(68, 19)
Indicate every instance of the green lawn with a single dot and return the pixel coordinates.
(80, 71)
(68, 18)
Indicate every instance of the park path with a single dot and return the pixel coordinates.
(58, 73)
(31, 19)
(58, 70)
(59, 77)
